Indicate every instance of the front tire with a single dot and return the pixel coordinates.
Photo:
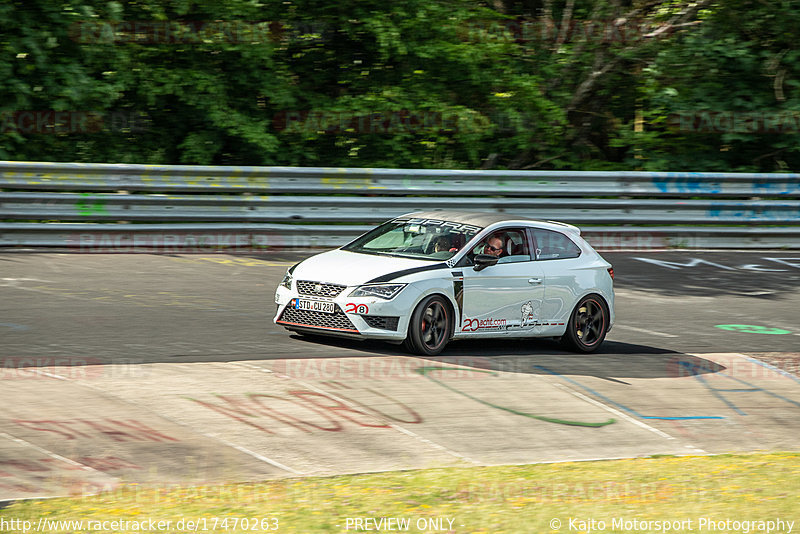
(430, 327)
(588, 325)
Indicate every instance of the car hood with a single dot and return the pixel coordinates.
(351, 268)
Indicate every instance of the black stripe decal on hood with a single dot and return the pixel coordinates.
(397, 274)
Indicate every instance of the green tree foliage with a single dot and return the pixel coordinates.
(531, 84)
(724, 96)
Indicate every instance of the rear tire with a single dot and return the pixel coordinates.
(430, 327)
(587, 325)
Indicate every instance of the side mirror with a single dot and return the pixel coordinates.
(483, 261)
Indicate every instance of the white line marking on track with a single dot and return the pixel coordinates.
(239, 448)
(771, 367)
(618, 413)
(251, 453)
(51, 454)
(14, 282)
(655, 298)
(643, 330)
(693, 448)
(15, 286)
(399, 428)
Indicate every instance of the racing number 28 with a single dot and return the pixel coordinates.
(352, 307)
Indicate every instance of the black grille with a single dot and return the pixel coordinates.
(315, 319)
(318, 289)
(381, 321)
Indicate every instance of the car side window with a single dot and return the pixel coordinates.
(516, 247)
(552, 245)
(512, 242)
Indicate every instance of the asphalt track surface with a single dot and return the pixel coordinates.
(167, 370)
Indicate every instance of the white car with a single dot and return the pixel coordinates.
(428, 277)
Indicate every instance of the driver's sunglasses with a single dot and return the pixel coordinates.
(494, 249)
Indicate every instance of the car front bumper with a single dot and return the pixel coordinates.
(363, 317)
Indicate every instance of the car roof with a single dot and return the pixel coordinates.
(485, 219)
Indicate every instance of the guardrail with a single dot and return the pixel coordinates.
(110, 207)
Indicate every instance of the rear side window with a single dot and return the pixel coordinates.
(552, 245)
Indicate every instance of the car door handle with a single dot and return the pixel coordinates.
(534, 280)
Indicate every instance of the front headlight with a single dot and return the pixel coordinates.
(382, 291)
(287, 280)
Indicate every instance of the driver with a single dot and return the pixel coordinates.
(494, 246)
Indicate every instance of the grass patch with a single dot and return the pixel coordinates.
(518, 499)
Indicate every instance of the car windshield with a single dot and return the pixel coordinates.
(427, 239)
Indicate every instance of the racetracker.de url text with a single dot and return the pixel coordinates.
(201, 524)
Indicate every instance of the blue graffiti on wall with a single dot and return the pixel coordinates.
(712, 183)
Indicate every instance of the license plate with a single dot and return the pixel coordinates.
(315, 305)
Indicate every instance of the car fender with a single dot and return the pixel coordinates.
(423, 288)
(608, 302)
